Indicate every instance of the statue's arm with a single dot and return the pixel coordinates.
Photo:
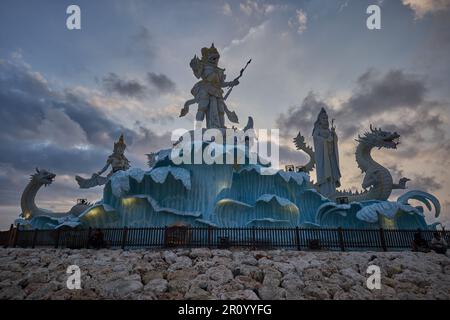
(226, 84)
(196, 66)
(333, 132)
(230, 84)
(105, 167)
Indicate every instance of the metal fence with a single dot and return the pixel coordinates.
(253, 237)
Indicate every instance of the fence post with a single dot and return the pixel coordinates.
(341, 239)
(383, 240)
(297, 235)
(58, 231)
(209, 237)
(33, 244)
(124, 237)
(254, 237)
(165, 237)
(16, 236)
(88, 237)
(11, 230)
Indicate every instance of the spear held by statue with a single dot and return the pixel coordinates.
(231, 114)
(237, 78)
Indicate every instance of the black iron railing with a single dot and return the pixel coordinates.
(250, 237)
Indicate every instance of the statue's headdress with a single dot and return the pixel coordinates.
(317, 123)
(207, 52)
(120, 143)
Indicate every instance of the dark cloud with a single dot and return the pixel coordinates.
(161, 82)
(9, 185)
(377, 93)
(289, 155)
(59, 130)
(142, 44)
(433, 56)
(300, 117)
(148, 140)
(26, 155)
(130, 88)
(157, 84)
(427, 183)
(417, 181)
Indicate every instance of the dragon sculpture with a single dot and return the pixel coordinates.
(378, 183)
(30, 209)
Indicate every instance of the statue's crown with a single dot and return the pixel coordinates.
(120, 142)
(206, 52)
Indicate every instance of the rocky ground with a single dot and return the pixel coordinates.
(221, 274)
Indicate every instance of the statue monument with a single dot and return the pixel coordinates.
(377, 183)
(208, 92)
(229, 194)
(326, 155)
(117, 160)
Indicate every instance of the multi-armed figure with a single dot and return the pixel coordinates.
(208, 93)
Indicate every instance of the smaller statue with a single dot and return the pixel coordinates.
(326, 155)
(116, 160)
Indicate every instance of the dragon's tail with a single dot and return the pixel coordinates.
(424, 197)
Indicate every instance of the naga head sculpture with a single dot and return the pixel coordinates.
(211, 55)
(43, 177)
(380, 139)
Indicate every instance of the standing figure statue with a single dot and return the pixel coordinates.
(208, 93)
(116, 160)
(326, 155)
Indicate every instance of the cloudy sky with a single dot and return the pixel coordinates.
(65, 96)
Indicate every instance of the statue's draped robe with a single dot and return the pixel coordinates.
(327, 162)
(209, 94)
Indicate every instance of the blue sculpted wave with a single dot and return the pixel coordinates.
(424, 197)
(239, 195)
(374, 214)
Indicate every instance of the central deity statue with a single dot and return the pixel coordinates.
(326, 155)
(208, 92)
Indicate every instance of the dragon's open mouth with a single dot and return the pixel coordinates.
(393, 140)
(49, 179)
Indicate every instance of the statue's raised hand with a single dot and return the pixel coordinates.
(184, 111)
(194, 62)
(196, 66)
